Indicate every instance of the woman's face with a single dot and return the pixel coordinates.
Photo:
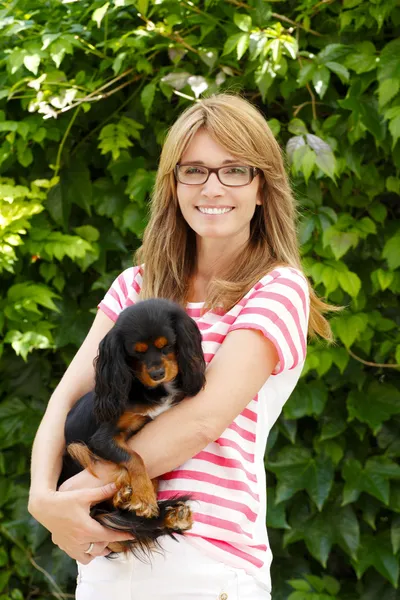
(241, 201)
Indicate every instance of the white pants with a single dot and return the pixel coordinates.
(181, 572)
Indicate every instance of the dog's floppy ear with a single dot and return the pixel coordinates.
(191, 361)
(113, 378)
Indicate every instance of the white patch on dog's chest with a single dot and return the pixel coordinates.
(157, 410)
(167, 402)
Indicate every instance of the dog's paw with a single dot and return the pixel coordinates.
(126, 499)
(179, 518)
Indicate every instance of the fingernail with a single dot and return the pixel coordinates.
(113, 486)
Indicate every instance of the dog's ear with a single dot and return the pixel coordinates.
(112, 378)
(191, 361)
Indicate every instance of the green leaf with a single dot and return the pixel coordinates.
(59, 49)
(298, 127)
(389, 63)
(293, 144)
(77, 186)
(242, 45)
(388, 89)
(350, 327)
(325, 158)
(275, 126)
(147, 97)
(392, 184)
(299, 584)
(88, 232)
(350, 283)
(376, 551)
(363, 58)
(112, 139)
(296, 470)
(276, 515)
(340, 357)
(33, 292)
(57, 206)
(395, 534)
(339, 70)
(231, 43)
(306, 73)
(394, 128)
(384, 278)
(15, 60)
(305, 400)
(32, 62)
(332, 426)
(332, 52)
(143, 6)
(340, 242)
(378, 212)
(242, 21)
(375, 406)
(391, 252)
(24, 153)
(321, 78)
(99, 14)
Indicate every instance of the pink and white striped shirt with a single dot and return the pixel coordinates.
(227, 479)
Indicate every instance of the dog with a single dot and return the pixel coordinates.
(148, 362)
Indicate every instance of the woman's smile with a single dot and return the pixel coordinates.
(213, 211)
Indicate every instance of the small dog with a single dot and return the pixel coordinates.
(149, 361)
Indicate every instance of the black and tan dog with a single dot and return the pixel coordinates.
(149, 361)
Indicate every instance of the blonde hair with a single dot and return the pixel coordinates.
(169, 245)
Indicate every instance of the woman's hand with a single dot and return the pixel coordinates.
(66, 516)
(104, 473)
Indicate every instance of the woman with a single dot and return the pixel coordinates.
(221, 241)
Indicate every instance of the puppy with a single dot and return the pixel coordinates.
(148, 362)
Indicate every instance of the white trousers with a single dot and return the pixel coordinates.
(181, 572)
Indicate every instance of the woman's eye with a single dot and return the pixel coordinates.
(236, 170)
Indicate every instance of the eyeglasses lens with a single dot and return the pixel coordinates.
(228, 175)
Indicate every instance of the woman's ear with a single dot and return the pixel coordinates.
(191, 361)
(112, 378)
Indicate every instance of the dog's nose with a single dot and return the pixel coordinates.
(157, 374)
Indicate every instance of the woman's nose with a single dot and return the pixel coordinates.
(213, 186)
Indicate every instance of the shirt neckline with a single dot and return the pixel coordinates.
(194, 304)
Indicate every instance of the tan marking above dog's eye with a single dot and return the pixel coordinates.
(160, 342)
(141, 347)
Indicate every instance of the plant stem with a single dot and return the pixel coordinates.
(61, 146)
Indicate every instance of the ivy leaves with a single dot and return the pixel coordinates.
(88, 93)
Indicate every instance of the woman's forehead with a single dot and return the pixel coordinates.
(203, 148)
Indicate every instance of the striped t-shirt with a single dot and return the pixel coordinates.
(227, 478)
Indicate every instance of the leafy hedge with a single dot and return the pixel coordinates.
(88, 90)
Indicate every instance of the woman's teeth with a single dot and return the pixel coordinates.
(214, 211)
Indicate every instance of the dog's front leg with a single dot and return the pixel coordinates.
(135, 489)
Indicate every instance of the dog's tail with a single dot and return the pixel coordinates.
(174, 518)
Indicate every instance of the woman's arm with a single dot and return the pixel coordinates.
(237, 372)
(78, 379)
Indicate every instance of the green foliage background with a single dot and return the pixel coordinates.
(88, 90)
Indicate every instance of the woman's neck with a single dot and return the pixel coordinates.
(213, 257)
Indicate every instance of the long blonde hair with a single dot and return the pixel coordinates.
(169, 245)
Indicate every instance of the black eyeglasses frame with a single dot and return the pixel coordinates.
(254, 171)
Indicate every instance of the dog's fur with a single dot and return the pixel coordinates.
(149, 361)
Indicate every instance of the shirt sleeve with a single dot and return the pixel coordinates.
(123, 292)
(279, 308)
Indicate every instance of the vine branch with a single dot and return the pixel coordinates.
(372, 364)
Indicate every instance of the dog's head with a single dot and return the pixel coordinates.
(154, 341)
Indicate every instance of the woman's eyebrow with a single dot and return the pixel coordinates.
(200, 162)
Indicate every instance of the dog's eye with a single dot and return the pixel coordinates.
(166, 349)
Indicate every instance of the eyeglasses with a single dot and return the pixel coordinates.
(231, 175)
